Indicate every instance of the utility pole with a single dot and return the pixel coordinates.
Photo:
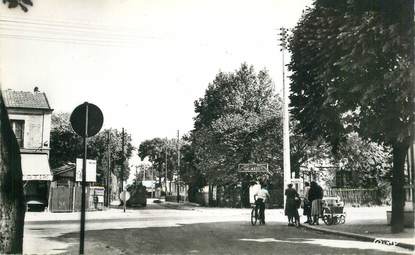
(152, 182)
(122, 169)
(109, 169)
(165, 177)
(178, 166)
(286, 117)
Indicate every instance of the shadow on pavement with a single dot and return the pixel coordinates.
(222, 238)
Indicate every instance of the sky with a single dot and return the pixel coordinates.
(143, 62)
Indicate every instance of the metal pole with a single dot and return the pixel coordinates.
(178, 166)
(286, 131)
(152, 182)
(82, 234)
(165, 178)
(122, 170)
(109, 170)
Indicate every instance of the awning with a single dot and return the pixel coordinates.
(36, 167)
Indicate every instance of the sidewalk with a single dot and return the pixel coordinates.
(367, 224)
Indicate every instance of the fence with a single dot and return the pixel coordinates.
(68, 199)
(357, 196)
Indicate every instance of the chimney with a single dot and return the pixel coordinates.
(36, 90)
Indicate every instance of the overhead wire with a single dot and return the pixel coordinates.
(65, 33)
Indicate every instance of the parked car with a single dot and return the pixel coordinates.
(35, 206)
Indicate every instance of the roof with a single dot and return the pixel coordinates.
(67, 167)
(24, 99)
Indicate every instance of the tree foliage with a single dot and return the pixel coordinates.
(23, 4)
(353, 70)
(238, 121)
(367, 162)
(66, 146)
(156, 150)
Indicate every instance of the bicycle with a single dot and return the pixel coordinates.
(255, 215)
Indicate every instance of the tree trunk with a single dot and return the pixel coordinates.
(210, 196)
(400, 150)
(245, 194)
(12, 206)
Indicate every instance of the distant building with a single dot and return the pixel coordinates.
(30, 116)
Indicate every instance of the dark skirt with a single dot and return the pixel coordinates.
(291, 207)
(307, 208)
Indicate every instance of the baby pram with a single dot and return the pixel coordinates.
(333, 211)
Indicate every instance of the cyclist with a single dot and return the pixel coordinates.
(260, 198)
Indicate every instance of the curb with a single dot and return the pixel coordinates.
(361, 237)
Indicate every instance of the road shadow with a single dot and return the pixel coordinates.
(220, 238)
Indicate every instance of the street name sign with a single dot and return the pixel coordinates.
(253, 168)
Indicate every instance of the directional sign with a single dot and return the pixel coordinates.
(253, 168)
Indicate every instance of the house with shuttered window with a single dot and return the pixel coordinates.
(30, 116)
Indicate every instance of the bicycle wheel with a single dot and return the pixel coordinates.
(254, 216)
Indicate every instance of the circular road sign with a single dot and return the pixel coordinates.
(124, 196)
(95, 119)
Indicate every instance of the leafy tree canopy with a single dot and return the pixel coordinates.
(23, 4)
(352, 68)
(156, 150)
(66, 146)
(238, 121)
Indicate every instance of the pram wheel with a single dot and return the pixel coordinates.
(327, 216)
(342, 219)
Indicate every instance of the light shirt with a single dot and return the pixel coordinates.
(262, 193)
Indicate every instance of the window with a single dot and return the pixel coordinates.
(18, 128)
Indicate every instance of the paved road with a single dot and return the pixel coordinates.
(197, 231)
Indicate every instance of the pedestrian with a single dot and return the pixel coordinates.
(307, 203)
(291, 206)
(260, 198)
(315, 195)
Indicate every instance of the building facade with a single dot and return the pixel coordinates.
(30, 117)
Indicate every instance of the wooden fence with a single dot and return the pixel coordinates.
(357, 196)
(67, 199)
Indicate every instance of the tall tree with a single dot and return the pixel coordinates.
(155, 151)
(353, 70)
(238, 121)
(12, 205)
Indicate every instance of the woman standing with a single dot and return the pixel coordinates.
(291, 206)
(307, 203)
(315, 195)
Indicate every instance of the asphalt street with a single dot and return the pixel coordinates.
(190, 231)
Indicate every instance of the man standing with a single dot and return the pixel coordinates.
(260, 198)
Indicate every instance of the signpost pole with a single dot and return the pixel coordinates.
(82, 234)
(86, 120)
